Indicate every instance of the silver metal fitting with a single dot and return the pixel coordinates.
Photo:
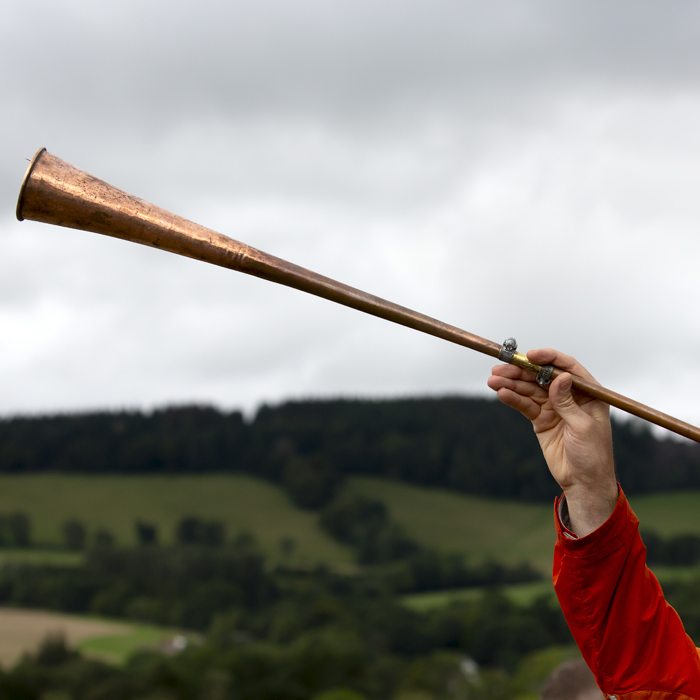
(510, 345)
(544, 376)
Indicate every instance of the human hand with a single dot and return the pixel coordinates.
(574, 433)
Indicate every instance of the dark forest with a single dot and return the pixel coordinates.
(472, 445)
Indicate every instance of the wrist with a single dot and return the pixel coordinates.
(589, 507)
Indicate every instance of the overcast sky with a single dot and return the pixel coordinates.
(526, 169)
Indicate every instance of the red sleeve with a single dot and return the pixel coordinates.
(630, 637)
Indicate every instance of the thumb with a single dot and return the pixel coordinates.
(562, 399)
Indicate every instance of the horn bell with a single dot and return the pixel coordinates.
(55, 192)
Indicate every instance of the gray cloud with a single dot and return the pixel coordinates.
(514, 168)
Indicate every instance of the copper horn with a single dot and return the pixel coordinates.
(55, 192)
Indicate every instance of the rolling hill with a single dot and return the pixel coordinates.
(478, 527)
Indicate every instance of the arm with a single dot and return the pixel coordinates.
(630, 637)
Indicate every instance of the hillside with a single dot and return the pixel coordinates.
(509, 531)
(479, 527)
(115, 502)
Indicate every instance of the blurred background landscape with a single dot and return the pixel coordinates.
(349, 548)
(215, 488)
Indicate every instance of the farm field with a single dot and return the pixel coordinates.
(116, 502)
(477, 527)
(525, 593)
(452, 522)
(23, 631)
(512, 531)
(51, 557)
(521, 594)
(117, 648)
(668, 513)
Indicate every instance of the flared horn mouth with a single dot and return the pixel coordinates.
(27, 175)
(56, 192)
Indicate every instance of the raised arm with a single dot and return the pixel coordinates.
(632, 640)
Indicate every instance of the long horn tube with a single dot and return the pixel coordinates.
(55, 192)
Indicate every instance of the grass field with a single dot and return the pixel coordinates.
(115, 503)
(526, 593)
(23, 631)
(477, 527)
(52, 557)
(117, 648)
(521, 594)
(511, 531)
(668, 513)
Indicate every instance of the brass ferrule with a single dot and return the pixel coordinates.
(521, 360)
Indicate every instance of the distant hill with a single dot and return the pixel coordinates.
(472, 445)
(474, 526)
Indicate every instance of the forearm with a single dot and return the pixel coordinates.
(630, 637)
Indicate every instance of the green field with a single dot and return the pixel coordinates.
(23, 631)
(511, 531)
(52, 557)
(668, 513)
(478, 527)
(526, 593)
(521, 594)
(118, 648)
(115, 503)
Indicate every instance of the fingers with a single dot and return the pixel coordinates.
(512, 372)
(545, 356)
(526, 405)
(524, 387)
(563, 402)
(515, 388)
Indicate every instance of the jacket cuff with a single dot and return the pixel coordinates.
(599, 543)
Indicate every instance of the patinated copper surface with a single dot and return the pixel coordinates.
(55, 192)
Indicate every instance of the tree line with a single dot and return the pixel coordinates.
(327, 640)
(270, 632)
(273, 633)
(678, 550)
(472, 445)
(188, 583)
(319, 665)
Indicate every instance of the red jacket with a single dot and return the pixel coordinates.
(630, 637)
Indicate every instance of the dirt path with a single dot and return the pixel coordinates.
(23, 631)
